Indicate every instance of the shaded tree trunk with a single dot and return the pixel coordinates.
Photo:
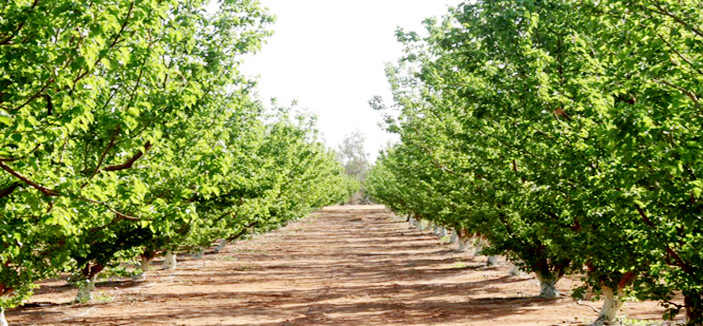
(462, 245)
(515, 271)
(222, 245)
(491, 261)
(694, 308)
(548, 285)
(144, 263)
(87, 284)
(199, 254)
(454, 238)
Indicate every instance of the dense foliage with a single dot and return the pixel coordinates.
(566, 133)
(126, 128)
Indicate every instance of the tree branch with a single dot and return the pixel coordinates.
(9, 190)
(14, 159)
(681, 56)
(110, 145)
(242, 232)
(117, 213)
(686, 92)
(679, 261)
(8, 39)
(36, 95)
(678, 19)
(130, 162)
(46, 191)
(124, 24)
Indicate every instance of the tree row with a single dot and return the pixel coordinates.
(127, 131)
(565, 134)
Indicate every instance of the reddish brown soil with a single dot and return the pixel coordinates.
(350, 265)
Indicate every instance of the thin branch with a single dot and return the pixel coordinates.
(107, 149)
(242, 232)
(644, 216)
(124, 24)
(678, 19)
(686, 92)
(46, 191)
(685, 59)
(8, 40)
(36, 95)
(114, 42)
(117, 213)
(130, 162)
(15, 159)
(679, 261)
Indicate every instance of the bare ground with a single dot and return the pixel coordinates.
(348, 265)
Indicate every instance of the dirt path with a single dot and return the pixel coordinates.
(351, 265)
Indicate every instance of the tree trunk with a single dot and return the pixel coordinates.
(442, 232)
(491, 261)
(435, 230)
(454, 237)
(611, 305)
(694, 308)
(548, 286)
(420, 225)
(462, 245)
(515, 271)
(411, 221)
(3, 321)
(478, 249)
(85, 289)
(222, 245)
(143, 267)
(170, 261)
(199, 254)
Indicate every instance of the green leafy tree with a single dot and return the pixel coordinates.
(356, 163)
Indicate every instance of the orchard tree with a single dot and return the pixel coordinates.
(356, 163)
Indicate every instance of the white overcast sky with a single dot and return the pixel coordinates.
(330, 56)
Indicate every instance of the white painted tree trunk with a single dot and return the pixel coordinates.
(3, 321)
(454, 238)
(85, 289)
(442, 232)
(411, 221)
(141, 277)
(548, 287)
(222, 245)
(478, 249)
(199, 254)
(462, 245)
(491, 261)
(515, 271)
(420, 225)
(143, 267)
(170, 261)
(435, 230)
(611, 305)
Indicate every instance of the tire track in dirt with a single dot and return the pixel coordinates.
(347, 265)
